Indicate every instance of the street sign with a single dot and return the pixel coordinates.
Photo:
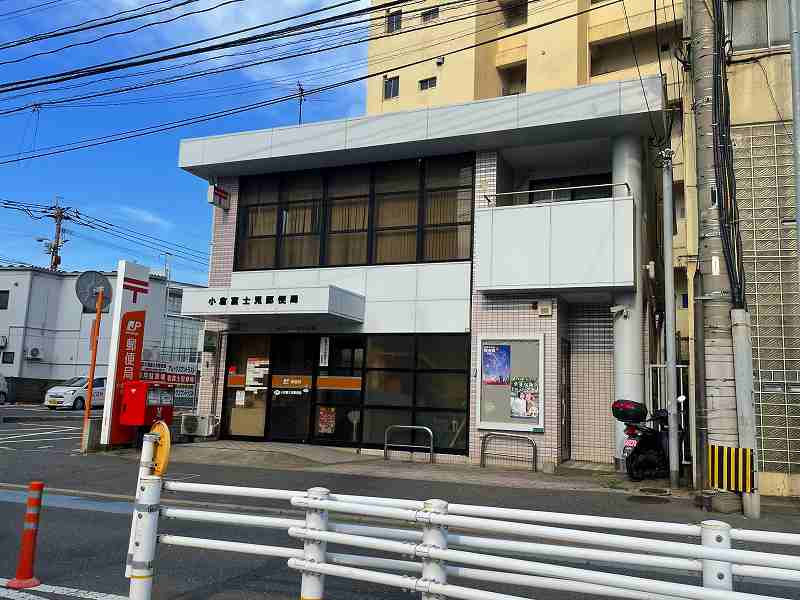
(88, 286)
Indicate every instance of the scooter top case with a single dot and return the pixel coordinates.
(629, 411)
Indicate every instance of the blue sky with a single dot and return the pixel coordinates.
(137, 183)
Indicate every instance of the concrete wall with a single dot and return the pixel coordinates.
(45, 313)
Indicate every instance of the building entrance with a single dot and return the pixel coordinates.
(292, 362)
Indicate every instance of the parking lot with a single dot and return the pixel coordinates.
(38, 429)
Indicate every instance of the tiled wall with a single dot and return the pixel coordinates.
(498, 316)
(591, 337)
(223, 240)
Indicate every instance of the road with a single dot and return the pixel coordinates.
(86, 522)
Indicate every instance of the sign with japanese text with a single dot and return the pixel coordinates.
(128, 316)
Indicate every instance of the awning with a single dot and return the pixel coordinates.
(314, 302)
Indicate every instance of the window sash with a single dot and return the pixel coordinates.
(391, 87)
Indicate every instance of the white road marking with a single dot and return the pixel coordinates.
(72, 437)
(49, 432)
(43, 447)
(7, 448)
(183, 476)
(58, 590)
(15, 595)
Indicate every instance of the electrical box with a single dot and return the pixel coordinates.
(145, 402)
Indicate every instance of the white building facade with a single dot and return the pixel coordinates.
(472, 269)
(45, 331)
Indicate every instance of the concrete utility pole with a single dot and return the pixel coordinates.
(55, 246)
(720, 390)
(670, 375)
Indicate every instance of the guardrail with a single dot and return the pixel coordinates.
(507, 436)
(468, 543)
(387, 445)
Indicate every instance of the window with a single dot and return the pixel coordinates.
(447, 232)
(394, 21)
(418, 380)
(758, 23)
(4, 294)
(430, 15)
(8, 358)
(684, 300)
(396, 214)
(389, 213)
(391, 87)
(348, 221)
(426, 84)
(515, 13)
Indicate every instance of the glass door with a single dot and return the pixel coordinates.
(337, 413)
(293, 359)
(244, 408)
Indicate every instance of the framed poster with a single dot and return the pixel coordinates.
(510, 390)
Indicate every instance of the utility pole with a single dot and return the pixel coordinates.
(58, 215)
(670, 375)
(300, 92)
(720, 392)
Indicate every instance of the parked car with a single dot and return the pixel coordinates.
(3, 390)
(72, 393)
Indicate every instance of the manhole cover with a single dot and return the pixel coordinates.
(654, 491)
(648, 499)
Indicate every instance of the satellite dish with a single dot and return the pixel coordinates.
(89, 285)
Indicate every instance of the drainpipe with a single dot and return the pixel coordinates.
(627, 309)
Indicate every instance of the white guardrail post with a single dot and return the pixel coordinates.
(716, 574)
(145, 468)
(145, 534)
(312, 585)
(434, 536)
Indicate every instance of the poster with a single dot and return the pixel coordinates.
(324, 350)
(256, 373)
(524, 398)
(496, 364)
(326, 419)
(240, 398)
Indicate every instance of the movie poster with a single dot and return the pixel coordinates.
(524, 398)
(496, 364)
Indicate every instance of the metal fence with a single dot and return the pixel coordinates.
(467, 543)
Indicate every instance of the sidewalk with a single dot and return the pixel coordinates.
(346, 461)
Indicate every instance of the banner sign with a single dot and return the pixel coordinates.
(169, 372)
(129, 312)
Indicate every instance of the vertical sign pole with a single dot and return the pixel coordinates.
(87, 409)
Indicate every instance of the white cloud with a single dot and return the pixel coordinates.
(145, 216)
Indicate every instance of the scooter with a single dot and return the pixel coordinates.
(646, 449)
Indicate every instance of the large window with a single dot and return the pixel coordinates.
(389, 213)
(757, 24)
(418, 380)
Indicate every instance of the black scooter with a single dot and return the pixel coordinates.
(646, 450)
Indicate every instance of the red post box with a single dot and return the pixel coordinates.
(145, 402)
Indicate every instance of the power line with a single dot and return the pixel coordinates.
(124, 63)
(641, 79)
(119, 33)
(85, 25)
(235, 66)
(167, 126)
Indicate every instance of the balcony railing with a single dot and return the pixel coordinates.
(491, 199)
(556, 242)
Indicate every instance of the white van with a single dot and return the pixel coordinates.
(72, 393)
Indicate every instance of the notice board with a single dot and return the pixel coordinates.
(511, 395)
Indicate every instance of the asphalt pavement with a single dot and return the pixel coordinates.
(85, 522)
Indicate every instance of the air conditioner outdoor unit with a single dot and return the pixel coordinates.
(34, 353)
(3, 341)
(199, 425)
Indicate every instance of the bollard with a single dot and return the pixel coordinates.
(24, 578)
(145, 469)
(145, 534)
(716, 574)
(434, 536)
(312, 585)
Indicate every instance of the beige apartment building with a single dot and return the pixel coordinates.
(625, 41)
